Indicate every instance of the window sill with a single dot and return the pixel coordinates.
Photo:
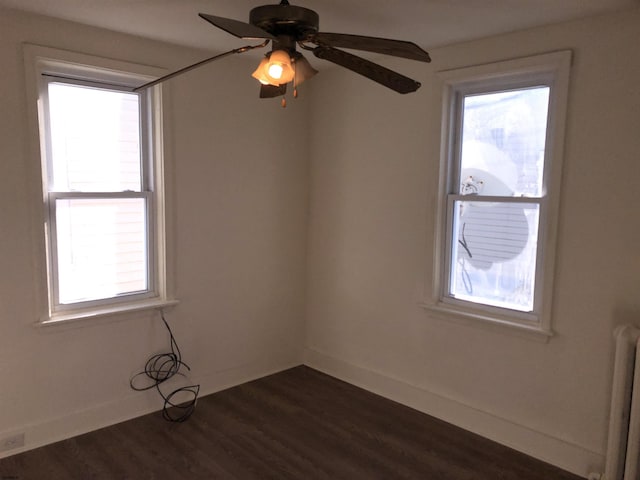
(102, 314)
(486, 322)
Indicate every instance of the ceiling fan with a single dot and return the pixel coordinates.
(287, 26)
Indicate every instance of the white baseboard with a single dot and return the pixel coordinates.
(558, 452)
(132, 406)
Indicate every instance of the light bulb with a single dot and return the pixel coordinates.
(279, 69)
(275, 71)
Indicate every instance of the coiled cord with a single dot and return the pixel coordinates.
(160, 368)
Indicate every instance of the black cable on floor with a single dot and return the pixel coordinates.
(160, 368)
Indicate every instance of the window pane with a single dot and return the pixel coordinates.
(493, 259)
(503, 142)
(101, 245)
(95, 139)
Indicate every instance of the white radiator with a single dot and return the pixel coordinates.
(623, 445)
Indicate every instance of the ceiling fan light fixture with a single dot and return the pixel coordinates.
(279, 67)
(285, 26)
(276, 69)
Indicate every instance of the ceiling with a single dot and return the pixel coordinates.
(429, 23)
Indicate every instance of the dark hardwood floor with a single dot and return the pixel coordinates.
(298, 424)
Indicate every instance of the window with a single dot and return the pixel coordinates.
(500, 179)
(102, 177)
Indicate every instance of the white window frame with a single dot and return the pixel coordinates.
(550, 70)
(44, 65)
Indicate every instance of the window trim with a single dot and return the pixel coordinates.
(551, 69)
(73, 67)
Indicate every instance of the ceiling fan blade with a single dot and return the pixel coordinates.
(373, 71)
(237, 28)
(199, 64)
(396, 48)
(270, 91)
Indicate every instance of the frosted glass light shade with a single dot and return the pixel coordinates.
(260, 73)
(303, 70)
(275, 70)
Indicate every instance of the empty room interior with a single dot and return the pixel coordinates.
(323, 229)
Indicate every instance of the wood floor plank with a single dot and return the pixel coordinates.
(299, 424)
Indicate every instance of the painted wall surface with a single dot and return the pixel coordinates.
(374, 174)
(239, 210)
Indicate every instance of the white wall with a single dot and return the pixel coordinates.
(240, 207)
(374, 174)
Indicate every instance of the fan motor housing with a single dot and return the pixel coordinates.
(292, 20)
